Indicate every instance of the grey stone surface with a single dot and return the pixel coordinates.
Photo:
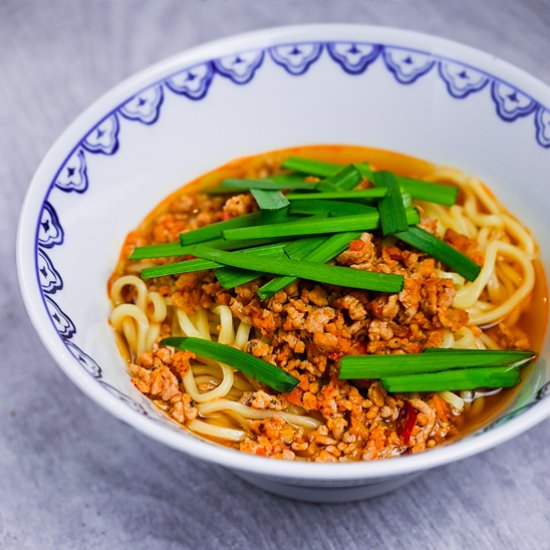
(71, 476)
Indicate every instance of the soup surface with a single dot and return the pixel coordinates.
(306, 327)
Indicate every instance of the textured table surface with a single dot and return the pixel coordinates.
(71, 476)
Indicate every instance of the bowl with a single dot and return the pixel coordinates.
(387, 88)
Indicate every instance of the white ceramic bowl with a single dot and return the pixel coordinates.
(374, 86)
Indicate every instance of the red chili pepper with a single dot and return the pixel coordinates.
(225, 216)
(356, 245)
(409, 422)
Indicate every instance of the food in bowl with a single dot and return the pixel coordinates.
(326, 303)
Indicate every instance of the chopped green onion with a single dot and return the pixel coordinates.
(274, 377)
(230, 277)
(440, 250)
(312, 167)
(434, 360)
(372, 193)
(340, 224)
(215, 230)
(334, 208)
(324, 252)
(453, 380)
(344, 180)
(189, 266)
(341, 276)
(393, 217)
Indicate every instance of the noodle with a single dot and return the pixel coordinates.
(222, 403)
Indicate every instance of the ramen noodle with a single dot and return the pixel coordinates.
(306, 328)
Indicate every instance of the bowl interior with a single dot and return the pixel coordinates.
(382, 88)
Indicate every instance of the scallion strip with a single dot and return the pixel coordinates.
(341, 276)
(324, 252)
(419, 189)
(273, 183)
(274, 377)
(372, 193)
(340, 224)
(440, 250)
(429, 191)
(190, 266)
(167, 250)
(382, 366)
(332, 207)
(215, 230)
(311, 167)
(453, 380)
(344, 180)
(393, 217)
(230, 277)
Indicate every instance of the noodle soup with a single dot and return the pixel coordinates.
(307, 327)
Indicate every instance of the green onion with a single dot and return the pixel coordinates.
(189, 266)
(393, 217)
(312, 167)
(434, 360)
(363, 222)
(324, 252)
(453, 380)
(274, 377)
(341, 276)
(372, 193)
(215, 230)
(344, 180)
(440, 250)
(230, 277)
(269, 199)
(334, 208)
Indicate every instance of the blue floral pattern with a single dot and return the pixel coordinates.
(354, 58)
(296, 58)
(145, 106)
(406, 65)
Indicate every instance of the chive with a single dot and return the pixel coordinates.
(324, 252)
(440, 250)
(215, 230)
(167, 250)
(365, 170)
(334, 208)
(429, 191)
(382, 366)
(300, 248)
(340, 224)
(453, 380)
(372, 193)
(190, 266)
(274, 377)
(312, 167)
(419, 189)
(341, 276)
(393, 217)
(230, 277)
(344, 180)
(273, 183)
